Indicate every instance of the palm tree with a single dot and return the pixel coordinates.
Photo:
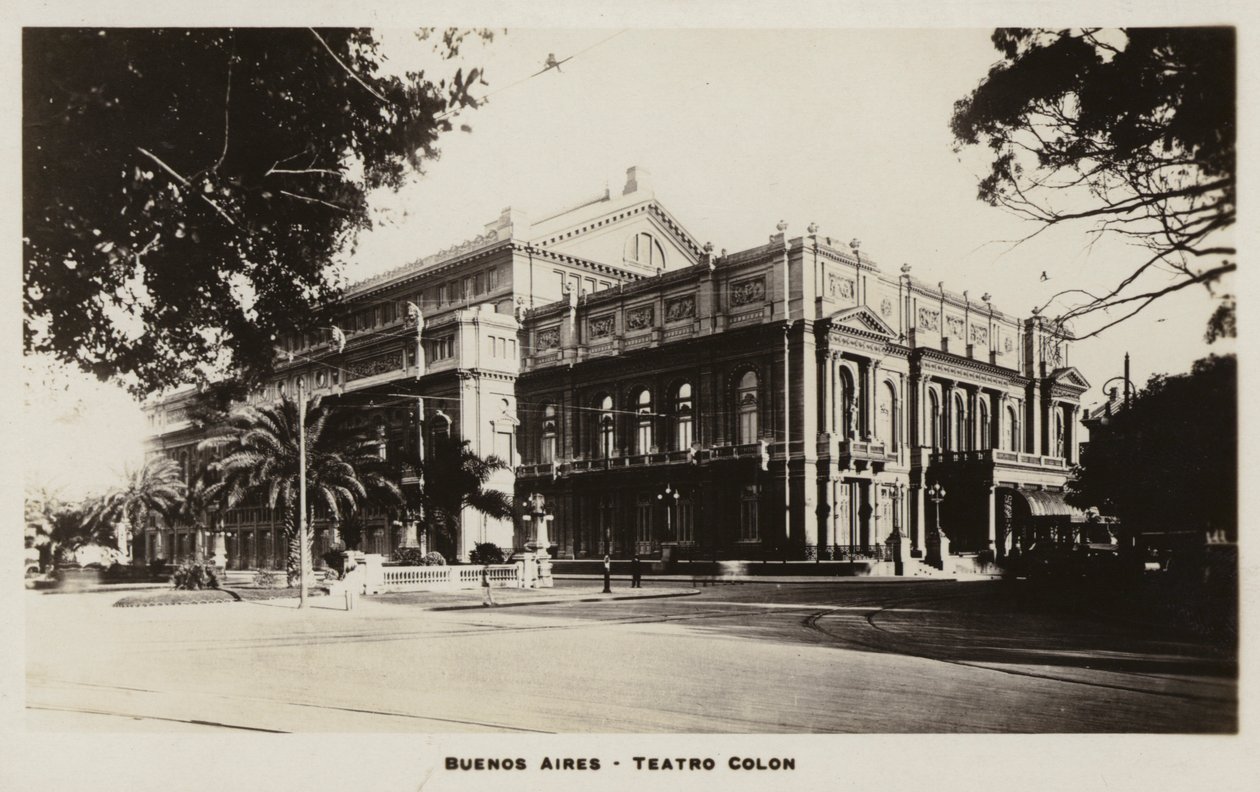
(455, 478)
(154, 489)
(262, 447)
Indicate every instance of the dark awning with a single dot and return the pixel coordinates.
(1044, 503)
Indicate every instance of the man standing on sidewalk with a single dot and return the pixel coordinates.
(488, 598)
(635, 573)
(607, 574)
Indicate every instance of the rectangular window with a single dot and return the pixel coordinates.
(493, 277)
(643, 522)
(748, 508)
(684, 433)
(686, 520)
(479, 284)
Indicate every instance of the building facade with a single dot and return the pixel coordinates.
(651, 396)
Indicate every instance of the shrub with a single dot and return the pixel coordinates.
(486, 553)
(335, 562)
(433, 558)
(193, 576)
(408, 556)
(265, 578)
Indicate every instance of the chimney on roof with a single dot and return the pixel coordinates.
(637, 179)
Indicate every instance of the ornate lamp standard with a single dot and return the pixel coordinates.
(669, 498)
(935, 493)
(896, 539)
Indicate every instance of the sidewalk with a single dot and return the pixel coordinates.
(471, 599)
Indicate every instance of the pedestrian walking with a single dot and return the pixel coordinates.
(487, 598)
(607, 574)
(635, 573)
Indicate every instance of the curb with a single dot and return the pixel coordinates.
(596, 598)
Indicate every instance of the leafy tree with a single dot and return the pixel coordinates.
(343, 470)
(1132, 130)
(56, 528)
(187, 192)
(1169, 460)
(154, 489)
(455, 478)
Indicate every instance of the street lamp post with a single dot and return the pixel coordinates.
(935, 493)
(669, 497)
(896, 539)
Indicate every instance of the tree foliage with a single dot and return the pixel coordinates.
(1132, 130)
(455, 478)
(1169, 460)
(155, 489)
(261, 460)
(187, 193)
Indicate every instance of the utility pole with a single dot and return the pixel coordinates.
(302, 559)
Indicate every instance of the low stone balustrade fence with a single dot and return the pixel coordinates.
(369, 575)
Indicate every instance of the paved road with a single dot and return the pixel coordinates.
(877, 656)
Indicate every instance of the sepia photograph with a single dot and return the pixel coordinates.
(593, 403)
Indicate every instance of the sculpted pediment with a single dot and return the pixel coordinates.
(863, 319)
(1071, 377)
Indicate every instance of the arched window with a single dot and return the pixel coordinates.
(547, 451)
(683, 413)
(441, 427)
(644, 416)
(643, 250)
(746, 401)
(982, 418)
(961, 441)
(1056, 438)
(934, 420)
(847, 418)
(1012, 429)
(607, 428)
(888, 416)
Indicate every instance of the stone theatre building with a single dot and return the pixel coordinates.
(792, 400)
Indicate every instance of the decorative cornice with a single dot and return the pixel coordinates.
(967, 367)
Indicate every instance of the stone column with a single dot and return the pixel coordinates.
(991, 500)
(918, 524)
(829, 392)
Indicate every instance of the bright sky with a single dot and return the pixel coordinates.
(739, 128)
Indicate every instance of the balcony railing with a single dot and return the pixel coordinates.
(868, 552)
(654, 459)
(993, 456)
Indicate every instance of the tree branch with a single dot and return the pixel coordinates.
(184, 182)
(348, 70)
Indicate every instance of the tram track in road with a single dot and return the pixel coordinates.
(879, 639)
(307, 705)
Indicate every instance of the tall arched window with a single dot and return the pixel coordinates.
(847, 418)
(888, 416)
(683, 416)
(961, 440)
(1012, 429)
(934, 420)
(982, 418)
(547, 451)
(644, 417)
(607, 428)
(746, 401)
